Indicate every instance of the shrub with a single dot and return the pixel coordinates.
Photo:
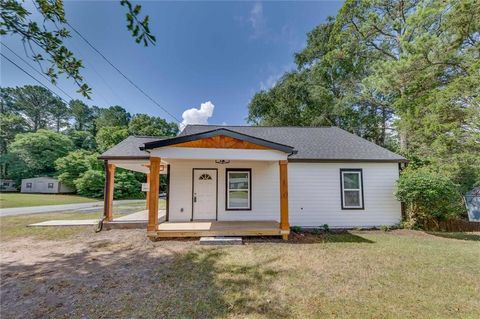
(127, 185)
(384, 228)
(296, 229)
(326, 228)
(427, 196)
(75, 164)
(91, 184)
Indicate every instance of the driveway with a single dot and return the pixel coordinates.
(61, 208)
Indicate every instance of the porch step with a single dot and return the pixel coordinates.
(221, 241)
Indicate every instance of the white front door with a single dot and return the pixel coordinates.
(204, 194)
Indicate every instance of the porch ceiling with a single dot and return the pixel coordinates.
(137, 165)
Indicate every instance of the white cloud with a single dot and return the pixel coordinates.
(197, 116)
(257, 20)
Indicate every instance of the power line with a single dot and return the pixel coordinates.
(32, 77)
(122, 74)
(31, 66)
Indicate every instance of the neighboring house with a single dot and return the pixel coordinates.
(46, 185)
(238, 178)
(8, 185)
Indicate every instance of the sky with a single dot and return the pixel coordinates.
(209, 60)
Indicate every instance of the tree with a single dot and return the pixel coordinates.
(49, 35)
(91, 184)
(108, 137)
(112, 116)
(82, 140)
(33, 103)
(142, 124)
(428, 196)
(75, 164)
(127, 185)
(82, 115)
(60, 114)
(39, 150)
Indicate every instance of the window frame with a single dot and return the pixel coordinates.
(227, 188)
(28, 185)
(358, 171)
(48, 185)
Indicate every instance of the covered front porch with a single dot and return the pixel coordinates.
(209, 187)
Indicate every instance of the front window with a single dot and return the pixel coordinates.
(352, 188)
(50, 185)
(238, 189)
(29, 185)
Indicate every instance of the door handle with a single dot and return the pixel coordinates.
(195, 198)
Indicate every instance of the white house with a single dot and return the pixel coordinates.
(253, 180)
(44, 185)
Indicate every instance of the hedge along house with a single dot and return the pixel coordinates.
(244, 180)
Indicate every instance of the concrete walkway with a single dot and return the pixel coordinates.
(141, 216)
(61, 208)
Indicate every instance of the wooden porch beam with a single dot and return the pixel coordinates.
(154, 186)
(108, 192)
(284, 224)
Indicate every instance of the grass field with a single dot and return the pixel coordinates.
(9, 200)
(121, 274)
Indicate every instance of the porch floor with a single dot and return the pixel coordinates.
(217, 228)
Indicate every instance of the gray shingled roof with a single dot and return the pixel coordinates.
(312, 143)
(130, 147)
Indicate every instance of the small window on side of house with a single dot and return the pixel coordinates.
(29, 185)
(351, 184)
(50, 185)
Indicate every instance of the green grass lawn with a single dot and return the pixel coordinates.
(8, 200)
(16, 226)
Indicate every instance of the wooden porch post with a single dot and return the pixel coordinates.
(153, 193)
(147, 195)
(108, 192)
(284, 225)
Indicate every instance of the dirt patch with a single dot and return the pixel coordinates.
(61, 278)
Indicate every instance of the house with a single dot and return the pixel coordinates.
(8, 185)
(254, 180)
(44, 185)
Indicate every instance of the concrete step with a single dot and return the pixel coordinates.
(221, 241)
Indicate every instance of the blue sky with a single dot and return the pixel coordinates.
(222, 52)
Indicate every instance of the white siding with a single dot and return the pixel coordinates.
(265, 189)
(314, 195)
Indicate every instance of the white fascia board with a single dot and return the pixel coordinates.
(218, 154)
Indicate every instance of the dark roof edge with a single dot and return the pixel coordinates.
(106, 157)
(349, 160)
(216, 132)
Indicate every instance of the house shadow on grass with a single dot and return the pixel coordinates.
(459, 236)
(111, 282)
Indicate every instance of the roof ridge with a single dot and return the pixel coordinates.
(261, 126)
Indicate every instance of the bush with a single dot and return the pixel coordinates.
(127, 185)
(75, 164)
(427, 196)
(91, 184)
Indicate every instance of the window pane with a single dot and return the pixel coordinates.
(352, 198)
(238, 199)
(238, 180)
(351, 180)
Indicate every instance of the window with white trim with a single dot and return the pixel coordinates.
(238, 189)
(351, 182)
